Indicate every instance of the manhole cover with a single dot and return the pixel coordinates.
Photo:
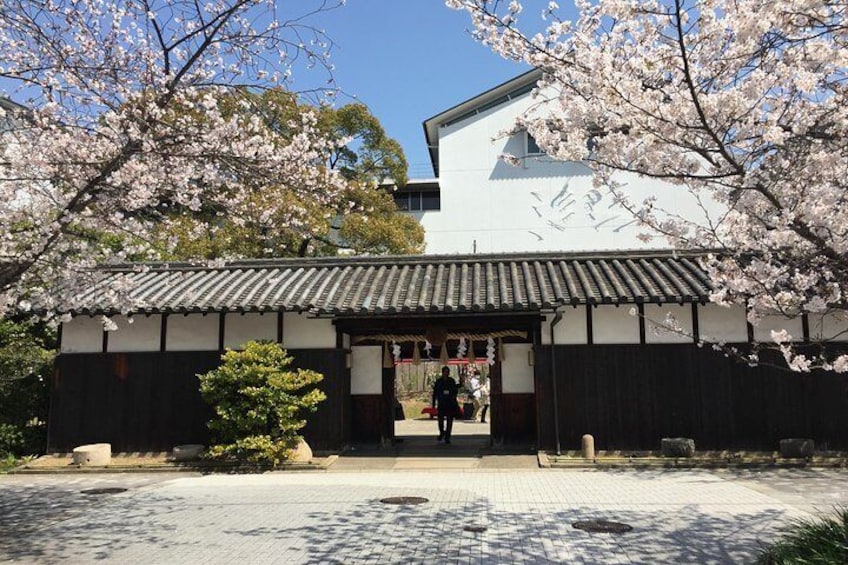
(475, 529)
(404, 500)
(602, 527)
(107, 490)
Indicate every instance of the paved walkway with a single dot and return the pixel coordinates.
(315, 517)
(423, 452)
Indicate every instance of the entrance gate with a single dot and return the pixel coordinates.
(376, 344)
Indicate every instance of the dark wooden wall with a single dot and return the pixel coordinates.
(368, 418)
(329, 426)
(151, 401)
(517, 414)
(630, 396)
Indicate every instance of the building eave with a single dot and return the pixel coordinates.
(436, 285)
(431, 125)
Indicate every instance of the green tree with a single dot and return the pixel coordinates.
(26, 359)
(365, 220)
(370, 156)
(259, 403)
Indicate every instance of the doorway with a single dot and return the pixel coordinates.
(414, 420)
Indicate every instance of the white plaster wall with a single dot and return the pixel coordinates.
(795, 327)
(366, 369)
(611, 324)
(717, 323)
(829, 327)
(301, 332)
(239, 329)
(194, 332)
(506, 208)
(143, 334)
(82, 335)
(571, 329)
(656, 328)
(516, 372)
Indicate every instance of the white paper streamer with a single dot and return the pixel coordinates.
(461, 348)
(490, 351)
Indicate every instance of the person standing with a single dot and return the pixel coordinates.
(484, 398)
(474, 389)
(444, 400)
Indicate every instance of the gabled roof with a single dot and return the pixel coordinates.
(493, 97)
(13, 113)
(405, 284)
(10, 105)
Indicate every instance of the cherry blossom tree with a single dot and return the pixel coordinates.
(741, 102)
(124, 124)
(363, 155)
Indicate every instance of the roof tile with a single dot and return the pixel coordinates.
(391, 285)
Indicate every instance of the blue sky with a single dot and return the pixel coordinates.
(408, 60)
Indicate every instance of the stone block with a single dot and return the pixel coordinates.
(94, 454)
(677, 447)
(188, 452)
(302, 453)
(797, 447)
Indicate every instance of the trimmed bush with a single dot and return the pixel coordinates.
(260, 403)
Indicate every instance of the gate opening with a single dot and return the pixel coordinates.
(416, 421)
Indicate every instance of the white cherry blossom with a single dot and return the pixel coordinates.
(742, 102)
(127, 122)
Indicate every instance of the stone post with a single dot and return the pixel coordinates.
(588, 446)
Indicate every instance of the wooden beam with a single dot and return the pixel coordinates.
(221, 328)
(805, 327)
(163, 333)
(696, 330)
(454, 323)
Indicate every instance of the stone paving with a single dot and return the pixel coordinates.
(316, 517)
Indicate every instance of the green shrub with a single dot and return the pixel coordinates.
(822, 541)
(259, 403)
(26, 361)
(11, 439)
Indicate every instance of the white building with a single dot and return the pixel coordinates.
(481, 204)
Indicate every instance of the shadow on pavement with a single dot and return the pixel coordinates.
(50, 524)
(422, 534)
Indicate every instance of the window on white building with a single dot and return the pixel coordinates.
(532, 148)
(416, 201)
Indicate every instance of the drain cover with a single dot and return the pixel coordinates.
(404, 500)
(475, 529)
(107, 490)
(602, 527)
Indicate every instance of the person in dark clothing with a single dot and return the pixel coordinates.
(444, 399)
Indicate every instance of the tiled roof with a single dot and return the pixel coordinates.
(403, 285)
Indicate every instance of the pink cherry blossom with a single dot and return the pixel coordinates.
(741, 102)
(125, 125)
